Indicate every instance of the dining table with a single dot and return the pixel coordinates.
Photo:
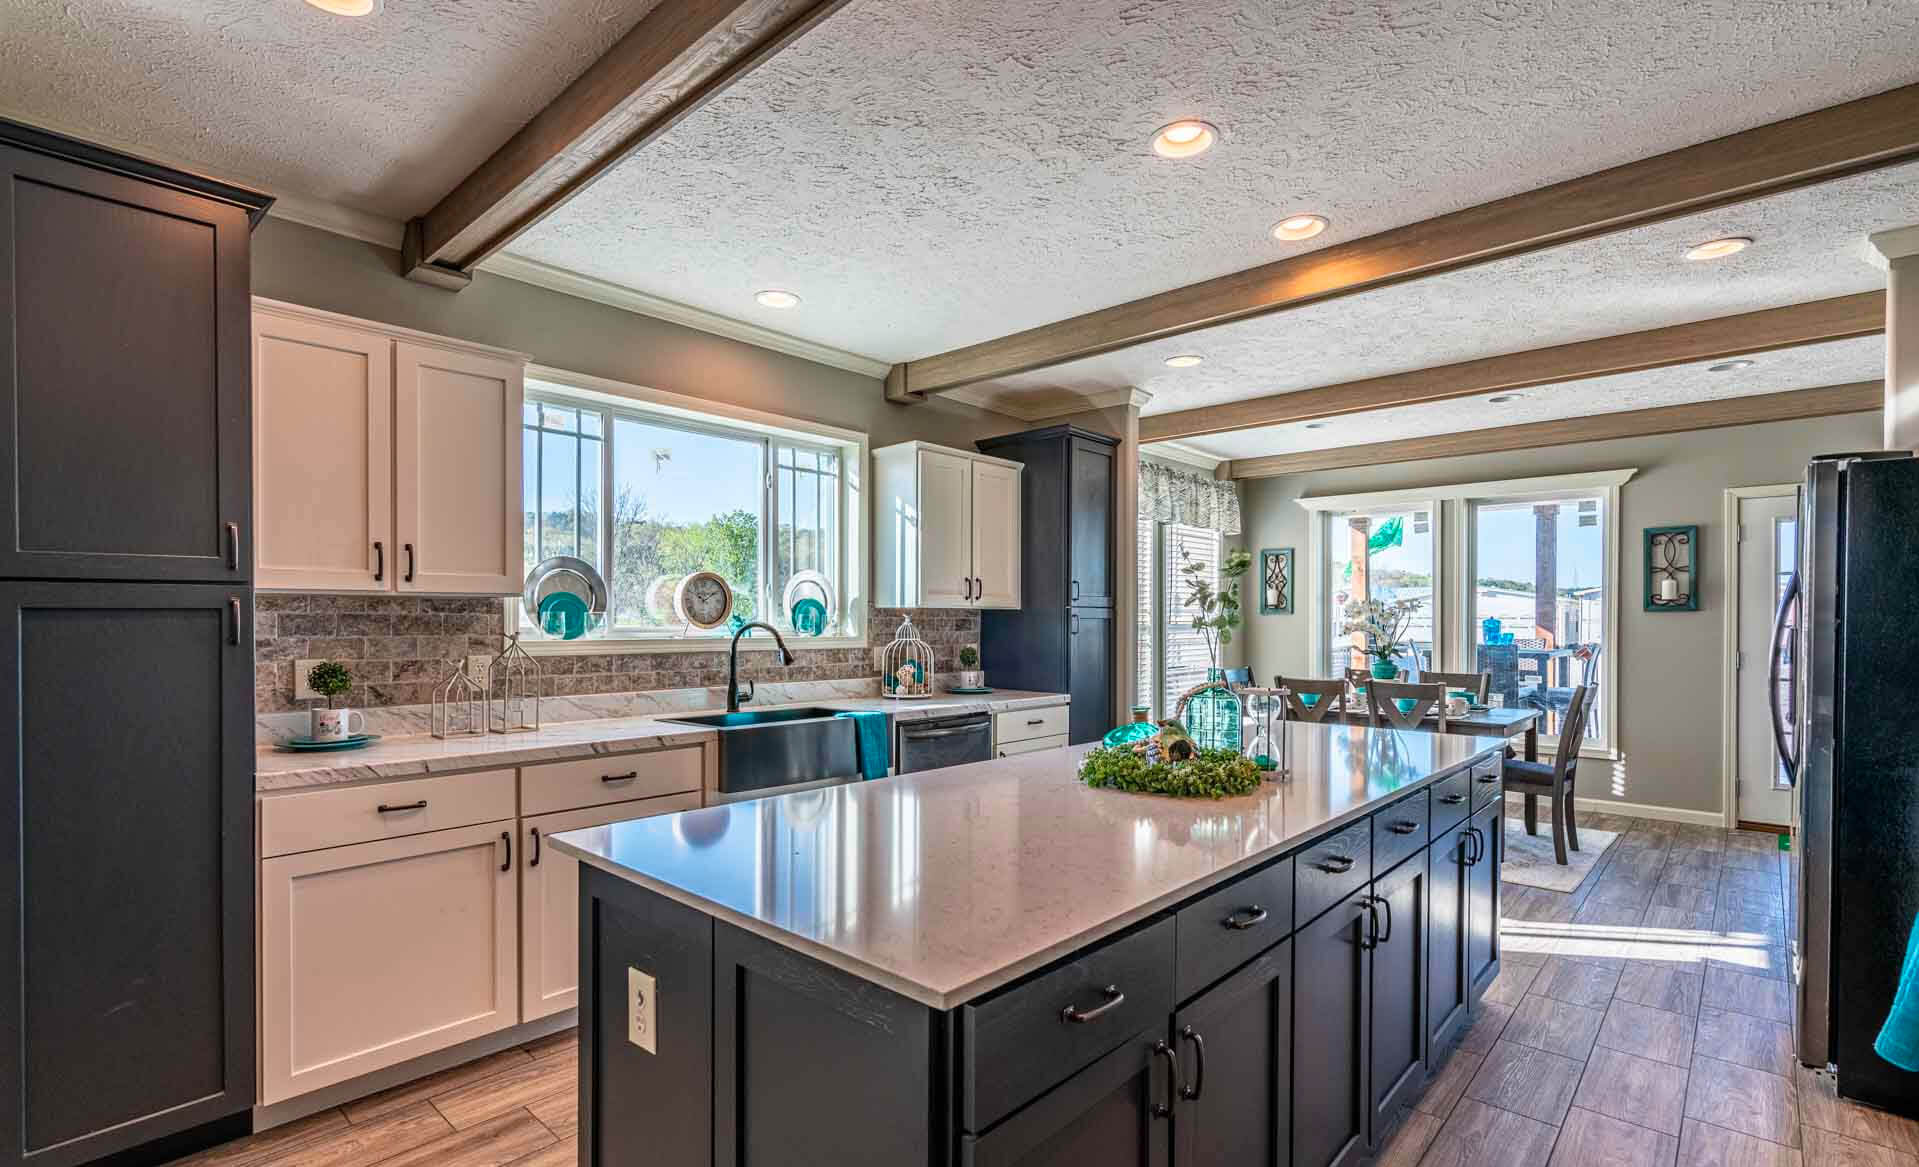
(1478, 721)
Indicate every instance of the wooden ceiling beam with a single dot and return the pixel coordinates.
(1844, 139)
(1840, 318)
(1858, 397)
(677, 57)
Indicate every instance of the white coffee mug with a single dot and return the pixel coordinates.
(1457, 706)
(336, 725)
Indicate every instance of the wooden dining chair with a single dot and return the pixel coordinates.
(1555, 779)
(1331, 694)
(1480, 685)
(1383, 697)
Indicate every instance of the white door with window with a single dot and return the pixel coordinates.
(1768, 534)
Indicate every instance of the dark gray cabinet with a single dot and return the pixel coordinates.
(127, 739)
(1235, 1051)
(124, 367)
(1485, 841)
(1398, 1048)
(1447, 988)
(1115, 1112)
(1062, 638)
(1332, 1032)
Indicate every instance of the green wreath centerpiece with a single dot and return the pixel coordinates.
(1170, 763)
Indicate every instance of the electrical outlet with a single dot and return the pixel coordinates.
(476, 665)
(301, 690)
(642, 1022)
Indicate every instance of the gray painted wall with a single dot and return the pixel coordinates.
(1670, 663)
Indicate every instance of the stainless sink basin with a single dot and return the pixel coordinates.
(764, 749)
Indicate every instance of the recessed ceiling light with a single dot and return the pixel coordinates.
(1299, 227)
(1315, 425)
(774, 298)
(1184, 361)
(1719, 248)
(347, 7)
(1503, 398)
(1728, 366)
(1184, 139)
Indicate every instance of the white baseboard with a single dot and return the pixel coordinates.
(1636, 810)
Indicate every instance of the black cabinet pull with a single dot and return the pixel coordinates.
(1075, 629)
(1488, 779)
(626, 777)
(1383, 902)
(1254, 916)
(1371, 939)
(1402, 827)
(1076, 591)
(397, 807)
(409, 562)
(1337, 865)
(1037, 721)
(1472, 835)
(233, 609)
(233, 547)
(979, 588)
(1452, 799)
(379, 561)
(1114, 999)
(1173, 1088)
(535, 861)
(507, 838)
(1191, 1093)
(967, 584)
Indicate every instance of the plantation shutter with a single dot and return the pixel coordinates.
(1186, 654)
(1143, 687)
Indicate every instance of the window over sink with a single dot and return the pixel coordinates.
(649, 487)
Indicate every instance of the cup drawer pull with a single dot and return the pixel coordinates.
(396, 808)
(1403, 827)
(629, 776)
(1114, 999)
(1245, 918)
(1337, 865)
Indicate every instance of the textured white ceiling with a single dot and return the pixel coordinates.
(1809, 245)
(381, 114)
(1806, 367)
(928, 174)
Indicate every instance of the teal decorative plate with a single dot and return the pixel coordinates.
(301, 745)
(969, 692)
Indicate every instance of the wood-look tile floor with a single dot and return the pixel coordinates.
(1645, 1019)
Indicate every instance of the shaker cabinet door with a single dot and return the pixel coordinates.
(1482, 895)
(1331, 1036)
(1398, 1067)
(1235, 1045)
(996, 535)
(1114, 1113)
(456, 471)
(123, 377)
(1446, 986)
(1090, 520)
(323, 464)
(945, 530)
(1089, 662)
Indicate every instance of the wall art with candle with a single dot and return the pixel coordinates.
(1672, 569)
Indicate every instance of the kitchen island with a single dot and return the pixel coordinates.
(996, 964)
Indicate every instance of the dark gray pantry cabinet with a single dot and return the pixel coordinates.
(1281, 1018)
(126, 607)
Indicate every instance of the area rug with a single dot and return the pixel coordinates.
(1529, 858)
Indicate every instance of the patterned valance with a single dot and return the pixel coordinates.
(1190, 497)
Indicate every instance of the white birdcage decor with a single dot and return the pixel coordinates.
(906, 665)
(513, 684)
(459, 706)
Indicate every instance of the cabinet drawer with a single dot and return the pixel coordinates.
(1231, 925)
(312, 819)
(1020, 1043)
(1330, 870)
(1020, 725)
(612, 778)
(1450, 801)
(1486, 785)
(1398, 831)
(1032, 745)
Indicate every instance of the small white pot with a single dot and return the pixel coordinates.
(972, 679)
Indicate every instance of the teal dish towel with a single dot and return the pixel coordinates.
(1899, 1040)
(870, 745)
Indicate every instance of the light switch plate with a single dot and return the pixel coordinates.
(301, 690)
(641, 1005)
(476, 665)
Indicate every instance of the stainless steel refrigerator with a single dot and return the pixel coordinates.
(1848, 728)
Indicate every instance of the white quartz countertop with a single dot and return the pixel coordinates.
(420, 755)
(947, 884)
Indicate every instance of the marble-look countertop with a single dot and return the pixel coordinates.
(419, 755)
(947, 884)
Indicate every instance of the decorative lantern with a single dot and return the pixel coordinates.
(906, 665)
(459, 705)
(513, 684)
(1211, 713)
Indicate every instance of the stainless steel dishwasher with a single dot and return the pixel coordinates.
(946, 741)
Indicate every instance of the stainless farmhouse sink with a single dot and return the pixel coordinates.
(764, 749)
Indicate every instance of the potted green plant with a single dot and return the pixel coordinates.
(970, 674)
(1384, 626)
(331, 680)
(1213, 710)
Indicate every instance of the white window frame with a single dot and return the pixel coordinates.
(1454, 566)
(677, 410)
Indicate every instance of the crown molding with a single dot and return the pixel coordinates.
(1183, 454)
(325, 216)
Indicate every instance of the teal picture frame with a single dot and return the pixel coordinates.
(1276, 581)
(1671, 553)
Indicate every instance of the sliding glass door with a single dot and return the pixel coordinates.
(1384, 554)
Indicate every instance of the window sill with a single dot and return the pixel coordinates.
(758, 641)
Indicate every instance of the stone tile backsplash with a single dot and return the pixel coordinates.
(400, 647)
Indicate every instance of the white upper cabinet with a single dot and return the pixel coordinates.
(384, 460)
(947, 528)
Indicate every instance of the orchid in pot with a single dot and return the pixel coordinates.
(1384, 625)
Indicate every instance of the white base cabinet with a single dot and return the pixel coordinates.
(374, 953)
(948, 531)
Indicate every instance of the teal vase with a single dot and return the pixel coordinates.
(1133, 732)
(1384, 669)
(1213, 713)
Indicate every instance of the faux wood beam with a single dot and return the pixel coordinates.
(1840, 318)
(677, 57)
(1816, 147)
(1858, 397)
